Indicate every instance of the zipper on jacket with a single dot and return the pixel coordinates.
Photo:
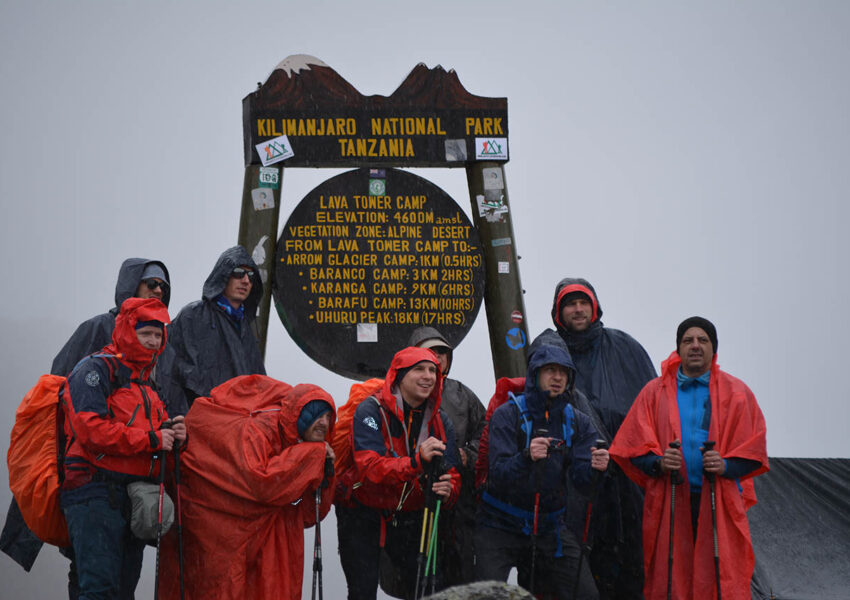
(133, 416)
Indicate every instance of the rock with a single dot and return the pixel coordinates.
(483, 590)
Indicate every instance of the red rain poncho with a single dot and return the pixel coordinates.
(247, 494)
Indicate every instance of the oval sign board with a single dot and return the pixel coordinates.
(367, 257)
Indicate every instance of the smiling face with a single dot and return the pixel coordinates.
(696, 352)
(553, 379)
(318, 431)
(577, 314)
(418, 383)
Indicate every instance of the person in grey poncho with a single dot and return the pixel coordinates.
(212, 339)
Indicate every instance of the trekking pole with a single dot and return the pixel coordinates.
(537, 467)
(431, 513)
(708, 446)
(431, 564)
(179, 522)
(159, 516)
(674, 481)
(427, 524)
(317, 543)
(585, 545)
(420, 558)
(317, 550)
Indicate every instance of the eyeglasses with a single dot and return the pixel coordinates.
(156, 283)
(239, 273)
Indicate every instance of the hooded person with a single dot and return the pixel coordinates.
(248, 481)
(137, 277)
(466, 413)
(114, 426)
(212, 339)
(693, 402)
(398, 435)
(537, 441)
(611, 369)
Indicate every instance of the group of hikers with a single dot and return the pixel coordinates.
(430, 489)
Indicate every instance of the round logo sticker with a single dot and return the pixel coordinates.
(377, 187)
(92, 378)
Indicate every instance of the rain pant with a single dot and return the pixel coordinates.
(206, 346)
(738, 427)
(611, 369)
(247, 493)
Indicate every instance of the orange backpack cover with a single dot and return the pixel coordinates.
(342, 432)
(33, 460)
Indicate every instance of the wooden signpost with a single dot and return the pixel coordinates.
(371, 254)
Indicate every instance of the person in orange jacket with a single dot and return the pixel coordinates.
(396, 435)
(114, 426)
(248, 489)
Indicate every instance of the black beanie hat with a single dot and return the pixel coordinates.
(704, 324)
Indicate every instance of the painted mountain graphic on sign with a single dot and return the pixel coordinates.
(302, 82)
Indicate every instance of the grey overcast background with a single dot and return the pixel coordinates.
(685, 157)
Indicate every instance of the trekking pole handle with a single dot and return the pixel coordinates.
(708, 446)
(675, 478)
(328, 473)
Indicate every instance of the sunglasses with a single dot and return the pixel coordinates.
(155, 283)
(239, 273)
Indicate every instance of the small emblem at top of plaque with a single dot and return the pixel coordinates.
(377, 187)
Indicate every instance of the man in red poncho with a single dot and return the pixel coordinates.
(693, 402)
(257, 455)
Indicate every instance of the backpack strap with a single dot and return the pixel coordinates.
(386, 424)
(524, 417)
(568, 426)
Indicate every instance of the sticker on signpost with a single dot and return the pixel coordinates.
(269, 177)
(493, 179)
(263, 198)
(504, 267)
(491, 148)
(515, 338)
(367, 332)
(492, 210)
(274, 150)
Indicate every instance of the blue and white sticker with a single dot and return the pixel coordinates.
(274, 150)
(370, 422)
(92, 378)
